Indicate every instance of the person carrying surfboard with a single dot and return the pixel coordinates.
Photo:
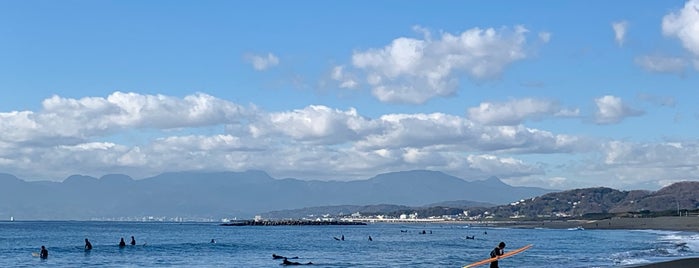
(497, 251)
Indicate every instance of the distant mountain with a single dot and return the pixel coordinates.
(234, 194)
(601, 200)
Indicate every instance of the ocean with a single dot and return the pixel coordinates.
(393, 245)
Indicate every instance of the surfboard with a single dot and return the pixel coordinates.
(507, 254)
(35, 254)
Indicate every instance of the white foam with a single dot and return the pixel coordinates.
(633, 261)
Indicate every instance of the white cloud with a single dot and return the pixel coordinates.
(620, 28)
(263, 62)
(545, 37)
(660, 64)
(684, 24)
(316, 124)
(611, 110)
(501, 166)
(345, 79)
(516, 111)
(412, 70)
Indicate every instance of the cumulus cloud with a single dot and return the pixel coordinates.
(345, 79)
(517, 111)
(410, 70)
(611, 110)
(660, 64)
(316, 123)
(684, 25)
(620, 28)
(262, 62)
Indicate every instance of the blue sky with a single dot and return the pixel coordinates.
(558, 94)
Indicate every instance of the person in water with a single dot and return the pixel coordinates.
(370, 239)
(88, 245)
(122, 243)
(133, 241)
(287, 262)
(497, 252)
(44, 253)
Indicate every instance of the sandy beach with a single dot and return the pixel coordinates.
(658, 223)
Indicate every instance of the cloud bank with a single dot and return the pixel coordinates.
(144, 135)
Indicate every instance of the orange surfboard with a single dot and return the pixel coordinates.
(507, 254)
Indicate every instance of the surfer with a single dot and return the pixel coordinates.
(342, 237)
(213, 241)
(88, 245)
(133, 241)
(287, 262)
(370, 239)
(497, 251)
(122, 243)
(44, 254)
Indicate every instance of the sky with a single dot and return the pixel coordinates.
(553, 94)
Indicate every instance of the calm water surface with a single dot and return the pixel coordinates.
(393, 245)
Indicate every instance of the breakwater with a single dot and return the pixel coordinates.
(288, 223)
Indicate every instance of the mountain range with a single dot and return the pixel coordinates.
(234, 194)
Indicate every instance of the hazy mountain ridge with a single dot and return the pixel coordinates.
(234, 194)
(602, 200)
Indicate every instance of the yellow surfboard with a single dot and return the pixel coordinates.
(507, 254)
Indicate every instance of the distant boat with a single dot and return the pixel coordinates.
(12, 218)
(579, 228)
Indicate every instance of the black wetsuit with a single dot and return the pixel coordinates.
(44, 254)
(287, 262)
(88, 245)
(496, 252)
(122, 243)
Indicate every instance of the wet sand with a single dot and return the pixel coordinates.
(683, 263)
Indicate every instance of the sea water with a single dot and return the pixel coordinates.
(393, 245)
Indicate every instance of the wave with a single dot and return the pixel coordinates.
(669, 245)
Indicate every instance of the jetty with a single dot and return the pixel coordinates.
(287, 223)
